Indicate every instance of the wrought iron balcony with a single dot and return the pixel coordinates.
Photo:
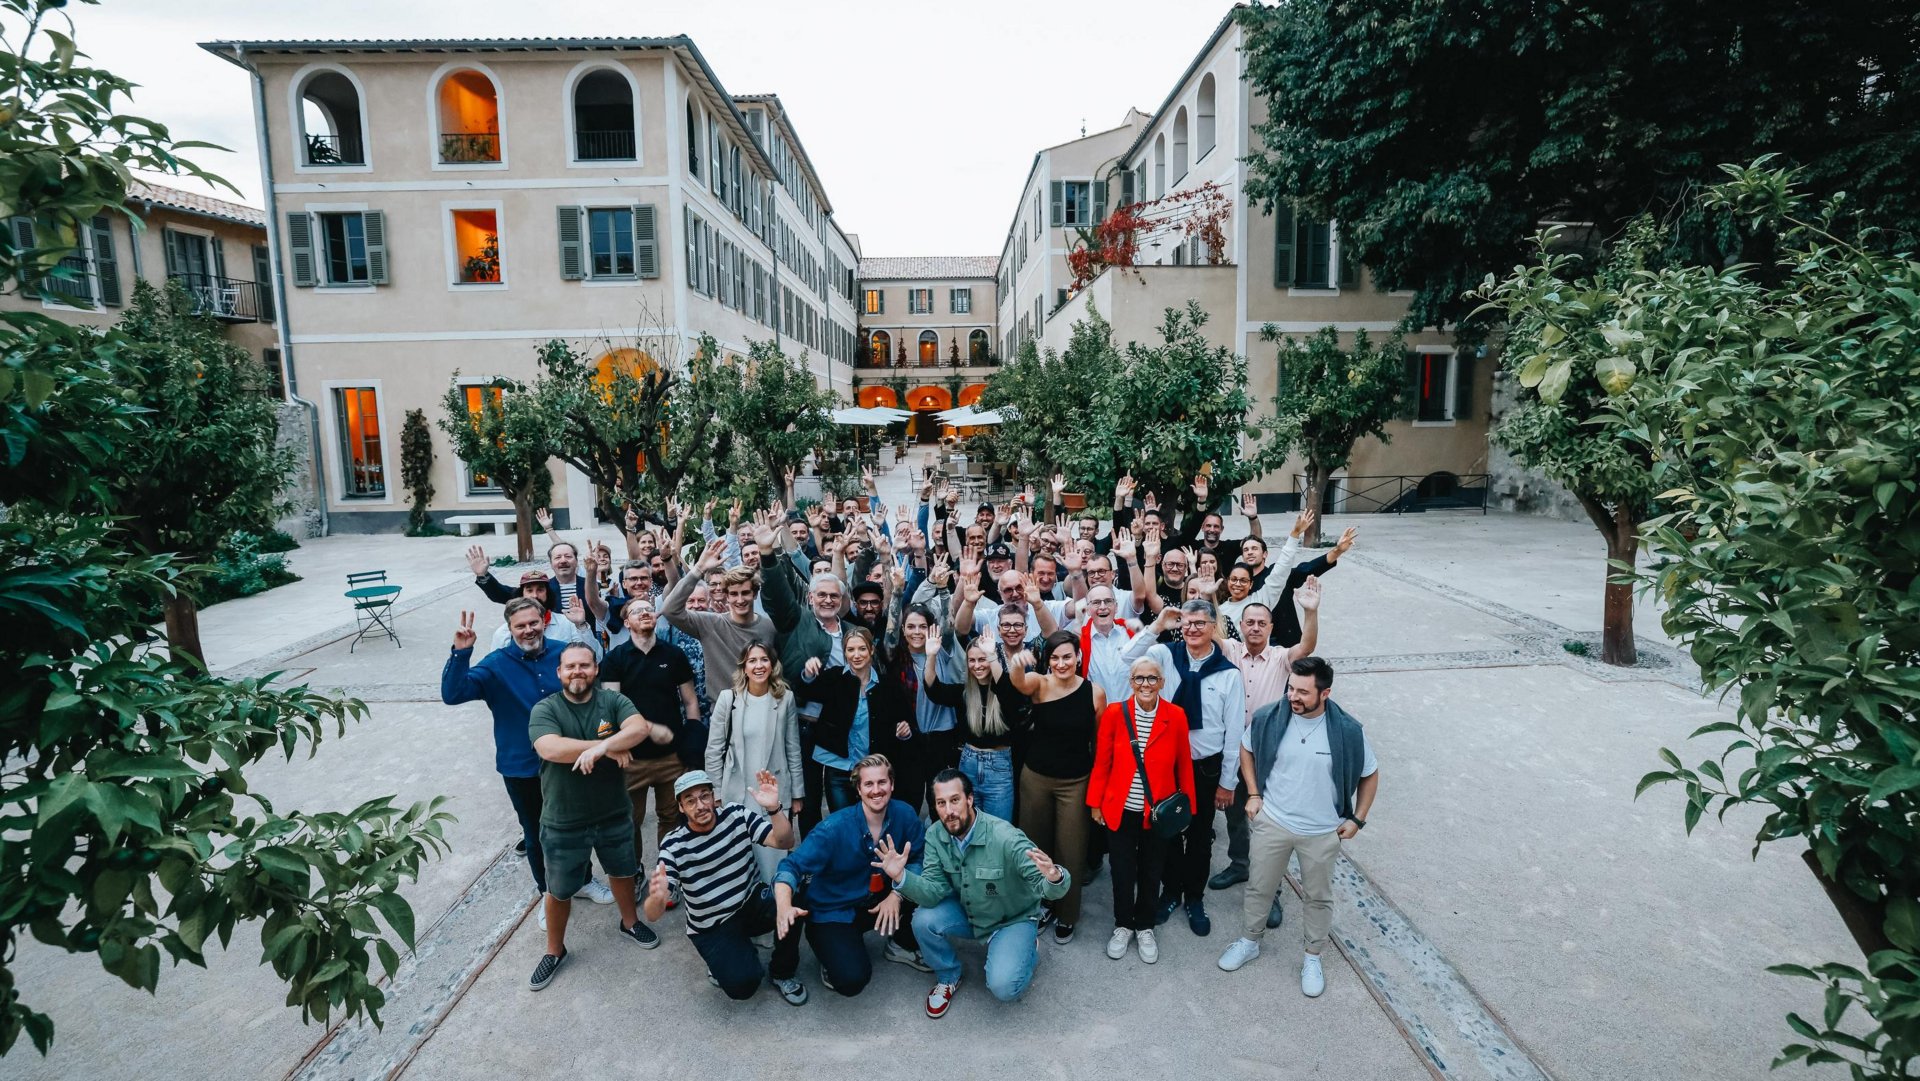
(603, 145)
(335, 150)
(230, 300)
(468, 147)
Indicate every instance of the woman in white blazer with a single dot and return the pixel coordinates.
(755, 726)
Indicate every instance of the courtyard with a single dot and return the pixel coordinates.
(1511, 912)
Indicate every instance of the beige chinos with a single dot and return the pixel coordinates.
(1269, 845)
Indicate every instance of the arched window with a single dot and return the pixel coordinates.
(603, 128)
(331, 124)
(1159, 165)
(929, 348)
(1180, 145)
(1205, 119)
(469, 116)
(882, 348)
(977, 347)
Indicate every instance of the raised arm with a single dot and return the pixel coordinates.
(1308, 598)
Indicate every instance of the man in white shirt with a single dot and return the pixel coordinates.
(1313, 779)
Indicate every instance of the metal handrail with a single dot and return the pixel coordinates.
(1399, 493)
(463, 147)
(604, 145)
(230, 300)
(335, 150)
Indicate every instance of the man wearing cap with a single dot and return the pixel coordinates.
(709, 859)
(982, 615)
(536, 585)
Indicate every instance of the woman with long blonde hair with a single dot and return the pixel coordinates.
(756, 726)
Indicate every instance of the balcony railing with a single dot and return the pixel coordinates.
(70, 281)
(468, 147)
(335, 150)
(985, 361)
(603, 145)
(230, 300)
(1400, 494)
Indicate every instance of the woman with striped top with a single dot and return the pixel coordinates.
(1122, 800)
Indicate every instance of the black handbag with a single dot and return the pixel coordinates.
(1171, 816)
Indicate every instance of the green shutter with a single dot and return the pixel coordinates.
(1313, 241)
(1410, 387)
(646, 243)
(299, 248)
(1349, 266)
(20, 232)
(1057, 200)
(104, 264)
(1282, 245)
(375, 224)
(170, 244)
(1099, 201)
(573, 256)
(263, 284)
(219, 263)
(1463, 388)
(693, 251)
(1126, 187)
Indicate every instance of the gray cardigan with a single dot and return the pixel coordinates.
(724, 751)
(1344, 739)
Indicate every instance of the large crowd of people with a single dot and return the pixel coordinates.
(930, 725)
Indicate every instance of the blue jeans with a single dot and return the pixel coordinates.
(1011, 951)
(524, 793)
(992, 775)
(839, 788)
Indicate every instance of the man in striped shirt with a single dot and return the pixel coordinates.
(709, 858)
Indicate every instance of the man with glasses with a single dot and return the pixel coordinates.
(723, 636)
(1209, 690)
(1103, 645)
(658, 679)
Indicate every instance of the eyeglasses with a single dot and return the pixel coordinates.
(1147, 679)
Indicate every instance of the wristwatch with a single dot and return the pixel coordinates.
(1358, 821)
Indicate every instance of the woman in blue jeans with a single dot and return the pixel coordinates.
(987, 712)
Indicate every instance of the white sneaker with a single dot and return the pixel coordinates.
(1312, 979)
(1117, 945)
(1239, 952)
(1149, 949)
(540, 908)
(596, 891)
(900, 955)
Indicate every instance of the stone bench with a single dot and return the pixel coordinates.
(470, 523)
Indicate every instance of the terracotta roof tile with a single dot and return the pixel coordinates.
(195, 203)
(929, 266)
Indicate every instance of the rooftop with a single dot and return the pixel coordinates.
(929, 266)
(194, 203)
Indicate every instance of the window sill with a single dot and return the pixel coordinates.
(477, 287)
(347, 289)
(369, 497)
(468, 166)
(1434, 423)
(600, 163)
(605, 280)
(1311, 291)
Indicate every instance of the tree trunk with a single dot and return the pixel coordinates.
(183, 628)
(522, 529)
(1315, 498)
(1865, 920)
(1616, 633)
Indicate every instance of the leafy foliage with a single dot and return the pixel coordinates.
(780, 414)
(1780, 409)
(1441, 133)
(242, 567)
(416, 472)
(1050, 394)
(1329, 398)
(509, 440)
(124, 764)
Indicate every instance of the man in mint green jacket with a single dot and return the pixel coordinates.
(980, 878)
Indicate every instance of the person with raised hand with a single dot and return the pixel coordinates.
(1062, 721)
(723, 635)
(982, 879)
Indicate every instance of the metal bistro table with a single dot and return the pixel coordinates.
(372, 601)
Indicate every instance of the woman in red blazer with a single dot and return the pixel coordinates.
(1124, 807)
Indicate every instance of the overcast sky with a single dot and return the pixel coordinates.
(921, 118)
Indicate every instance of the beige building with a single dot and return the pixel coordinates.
(441, 208)
(1068, 190)
(216, 249)
(1257, 270)
(928, 327)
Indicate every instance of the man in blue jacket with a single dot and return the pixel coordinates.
(511, 680)
(834, 881)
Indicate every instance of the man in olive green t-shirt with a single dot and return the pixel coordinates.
(584, 736)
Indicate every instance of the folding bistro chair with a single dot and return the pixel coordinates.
(372, 600)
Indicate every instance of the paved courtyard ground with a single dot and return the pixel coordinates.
(1511, 912)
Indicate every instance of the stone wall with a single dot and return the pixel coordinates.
(1512, 486)
(302, 518)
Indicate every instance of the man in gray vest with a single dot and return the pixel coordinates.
(1312, 779)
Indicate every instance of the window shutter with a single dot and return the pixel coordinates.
(713, 259)
(1126, 188)
(1463, 384)
(1057, 198)
(1349, 266)
(573, 262)
(1282, 245)
(299, 248)
(263, 283)
(646, 244)
(21, 234)
(1315, 242)
(219, 261)
(105, 266)
(375, 224)
(1410, 387)
(1099, 201)
(693, 256)
(170, 245)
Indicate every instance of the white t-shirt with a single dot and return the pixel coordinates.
(1298, 792)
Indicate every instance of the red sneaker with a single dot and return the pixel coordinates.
(940, 998)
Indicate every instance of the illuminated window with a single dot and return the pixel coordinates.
(882, 348)
(876, 302)
(479, 483)
(476, 246)
(977, 347)
(357, 420)
(929, 347)
(469, 118)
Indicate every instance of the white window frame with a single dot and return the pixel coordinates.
(451, 250)
(954, 295)
(467, 493)
(297, 116)
(91, 254)
(433, 114)
(579, 72)
(919, 301)
(1452, 398)
(336, 476)
(323, 284)
(603, 281)
(1066, 219)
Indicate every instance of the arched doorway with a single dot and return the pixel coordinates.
(929, 349)
(977, 347)
(925, 402)
(878, 398)
(880, 349)
(970, 393)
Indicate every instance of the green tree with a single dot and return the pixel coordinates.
(1163, 414)
(416, 471)
(208, 464)
(779, 414)
(508, 440)
(1330, 398)
(124, 764)
(1780, 408)
(1441, 134)
(1050, 395)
